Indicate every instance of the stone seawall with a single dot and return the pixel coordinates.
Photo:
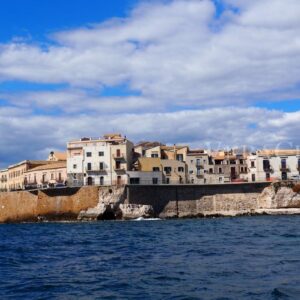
(169, 201)
(163, 201)
(59, 204)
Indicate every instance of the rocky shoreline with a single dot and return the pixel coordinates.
(280, 198)
(161, 201)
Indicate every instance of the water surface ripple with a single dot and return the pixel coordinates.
(226, 258)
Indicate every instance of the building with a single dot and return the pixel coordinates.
(170, 171)
(197, 162)
(52, 174)
(4, 180)
(141, 148)
(57, 156)
(273, 165)
(16, 173)
(252, 170)
(99, 161)
(168, 152)
(227, 166)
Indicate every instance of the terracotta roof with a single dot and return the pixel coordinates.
(278, 152)
(30, 162)
(149, 144)
(50, 166)
(60, 155)
(196, 152)
(112, 135)
(172, 147)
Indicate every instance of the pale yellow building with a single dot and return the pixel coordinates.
(173, 171)
(3, 180)
(168, 152)
(16, 173)
(49, 175)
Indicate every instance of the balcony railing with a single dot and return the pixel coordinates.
(119, 169)
(285, 169)
(118, 156)
(268, 169)
(97, 169)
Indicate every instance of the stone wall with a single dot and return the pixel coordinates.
(60, 204)
(164, 201)
(171, 201)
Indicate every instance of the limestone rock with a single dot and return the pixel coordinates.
(100, 212)
(267, 198)
(134, 211)
(287, 198)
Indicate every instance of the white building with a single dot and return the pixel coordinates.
(99, 161)
(145, 178)
(273, 165)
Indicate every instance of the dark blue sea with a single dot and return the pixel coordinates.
(223, 258)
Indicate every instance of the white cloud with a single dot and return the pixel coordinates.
(172, 51)
(22, 137)
(177, 55)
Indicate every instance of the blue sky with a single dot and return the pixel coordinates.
(211, 73)
(35, 19)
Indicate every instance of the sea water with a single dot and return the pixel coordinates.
(223, 258)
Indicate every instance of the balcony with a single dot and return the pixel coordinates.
(119, 156)
(285, 169)
(268, 170)
(95, 170)
(119, 169)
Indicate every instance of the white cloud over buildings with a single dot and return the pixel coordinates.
(198, 76)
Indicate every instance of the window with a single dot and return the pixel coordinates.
(180, 169)
(52, 176)
(101, 153)
(101, 166)
(191, 171)
(154, 154)
(266, 164)
(283, 163)
(167, 180)
(179, 157)
(220, 179)
(74, 166)
(168, 170)
(89, 166)
(267, 176)
(134, 180)
(101, 180)
(59, 176)
(155, 169)
(154, 180)
(220, 171)
(211, 171)
(89, 154)
(252, 164)
(253, 177)
(198, 162)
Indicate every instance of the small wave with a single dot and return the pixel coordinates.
(146, 219)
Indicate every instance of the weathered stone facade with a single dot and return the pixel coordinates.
(164, 201)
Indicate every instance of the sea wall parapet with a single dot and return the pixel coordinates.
(163, 201)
